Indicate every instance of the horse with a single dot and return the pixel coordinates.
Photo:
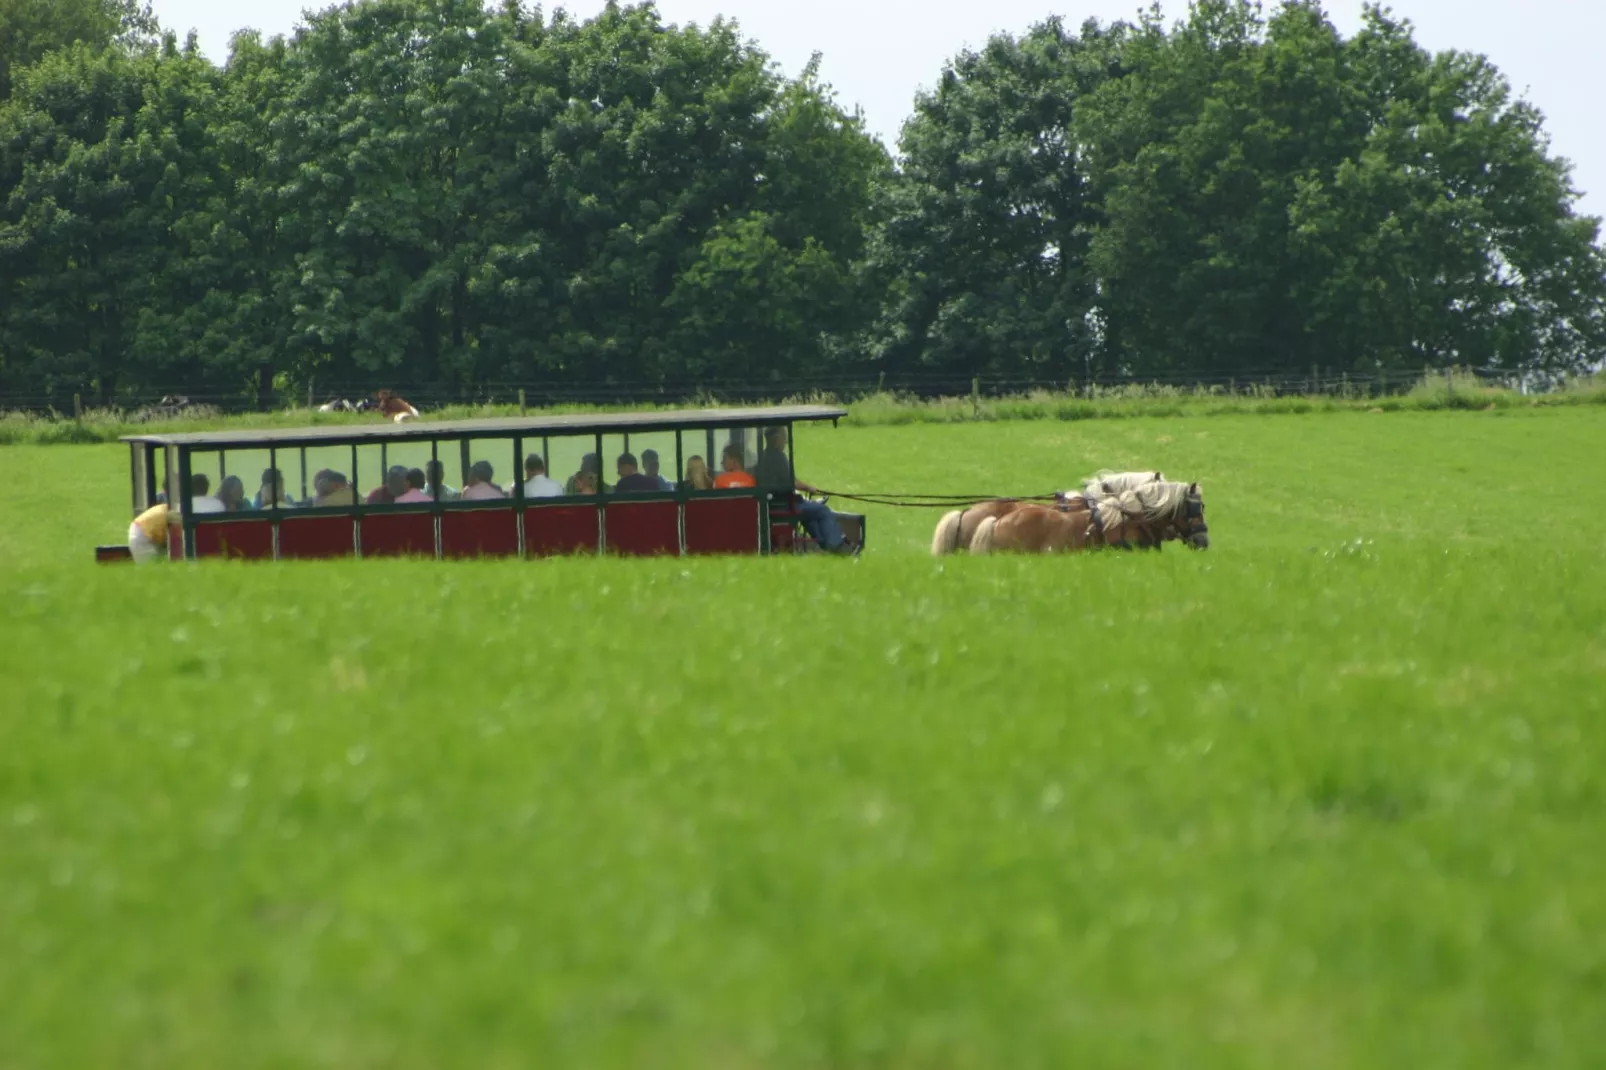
(957, 529)
(1144, 517)
(394, 408)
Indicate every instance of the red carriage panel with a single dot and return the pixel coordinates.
(237, 539)
(480, 533)
(175, 542)
(550, 530)
(398, 535)
(644, 528)
(316, 536)
(721, 526)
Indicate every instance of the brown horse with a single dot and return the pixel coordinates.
(957, 529)
(1143, 517)
(394, 408)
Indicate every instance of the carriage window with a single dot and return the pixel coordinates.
(319, 477)
(626, 460)
(735, 457)
(570, 460)
(773, 469)
(489, 468)
(140, 475)
(405, 466)
(167, 492)
(247, 487)
(207, 472)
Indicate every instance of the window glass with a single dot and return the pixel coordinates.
(207, 470)
(699, 460)
(139, 474)
(624, 463)
(572, 461)
(411, 459)
(325, 474)
(539, 473)
(244, 472)
(773, 470)
(491, 469)
(738, 455)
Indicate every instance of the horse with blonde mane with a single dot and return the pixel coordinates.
(1143, 517)
(957, 529)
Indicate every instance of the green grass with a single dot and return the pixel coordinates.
(1329, 795)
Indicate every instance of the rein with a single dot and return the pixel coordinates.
(935, 501)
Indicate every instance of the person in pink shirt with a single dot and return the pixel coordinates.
(480, 488)
(415, 488)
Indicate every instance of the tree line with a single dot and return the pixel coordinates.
(434, 194)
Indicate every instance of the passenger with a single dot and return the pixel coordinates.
(480, 488)
(649, 464)
(231, 492)
(735, 474)
(775, 470)
(415, 488)
(147, 535)
(585, 482)
(435, 483)
(588, 463)
(333, 490)
(697, 477)
(199, 496)
(394, 487)
(632, 481)
(271, 494)
(537, 484)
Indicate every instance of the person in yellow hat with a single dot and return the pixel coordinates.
(147, 535)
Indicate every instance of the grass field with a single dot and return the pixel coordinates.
(1328, 795)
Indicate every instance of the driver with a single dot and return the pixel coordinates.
(774, 469)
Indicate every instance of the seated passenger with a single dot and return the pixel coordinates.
(147, 535)
(697, 477)
(333, 490)
(480, 488)
(588, 463)
(585, 482)
(632, 481)
(435, 473)
(394, 487)
(775, 470)
(537, 484)
(200, 498)
(271, 494)
(231, 492)
(415, 488)
(734, 474)
(649, 465)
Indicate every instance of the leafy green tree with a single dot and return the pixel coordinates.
(984, 248)
(29, 29)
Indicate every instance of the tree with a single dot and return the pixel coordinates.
(29, 29)
(984, 249)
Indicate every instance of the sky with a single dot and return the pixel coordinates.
(878, 53)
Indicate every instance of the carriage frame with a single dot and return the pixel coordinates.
(677, 522)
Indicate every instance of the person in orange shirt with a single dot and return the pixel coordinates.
(734, 474)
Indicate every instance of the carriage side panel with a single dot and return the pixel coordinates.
(311, 537)
(552, 530)
(644, 528)
(480, 533)
(240, 540)
(722, 526)
(398, 535)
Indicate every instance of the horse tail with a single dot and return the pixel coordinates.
(946, 538)
(982, 541)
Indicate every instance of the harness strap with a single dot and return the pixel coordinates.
(1098, 521)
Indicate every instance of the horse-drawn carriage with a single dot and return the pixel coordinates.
(485, 488)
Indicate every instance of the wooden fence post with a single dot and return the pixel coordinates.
(78, 407)
(522, 409)
(975, 398)
(309, 392)
(881, 383)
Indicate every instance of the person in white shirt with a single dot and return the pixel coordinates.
(480, 488)
(201, 499)
(537, 484)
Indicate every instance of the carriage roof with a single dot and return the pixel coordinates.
(416, 430)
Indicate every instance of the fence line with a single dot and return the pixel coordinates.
(844, 388)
